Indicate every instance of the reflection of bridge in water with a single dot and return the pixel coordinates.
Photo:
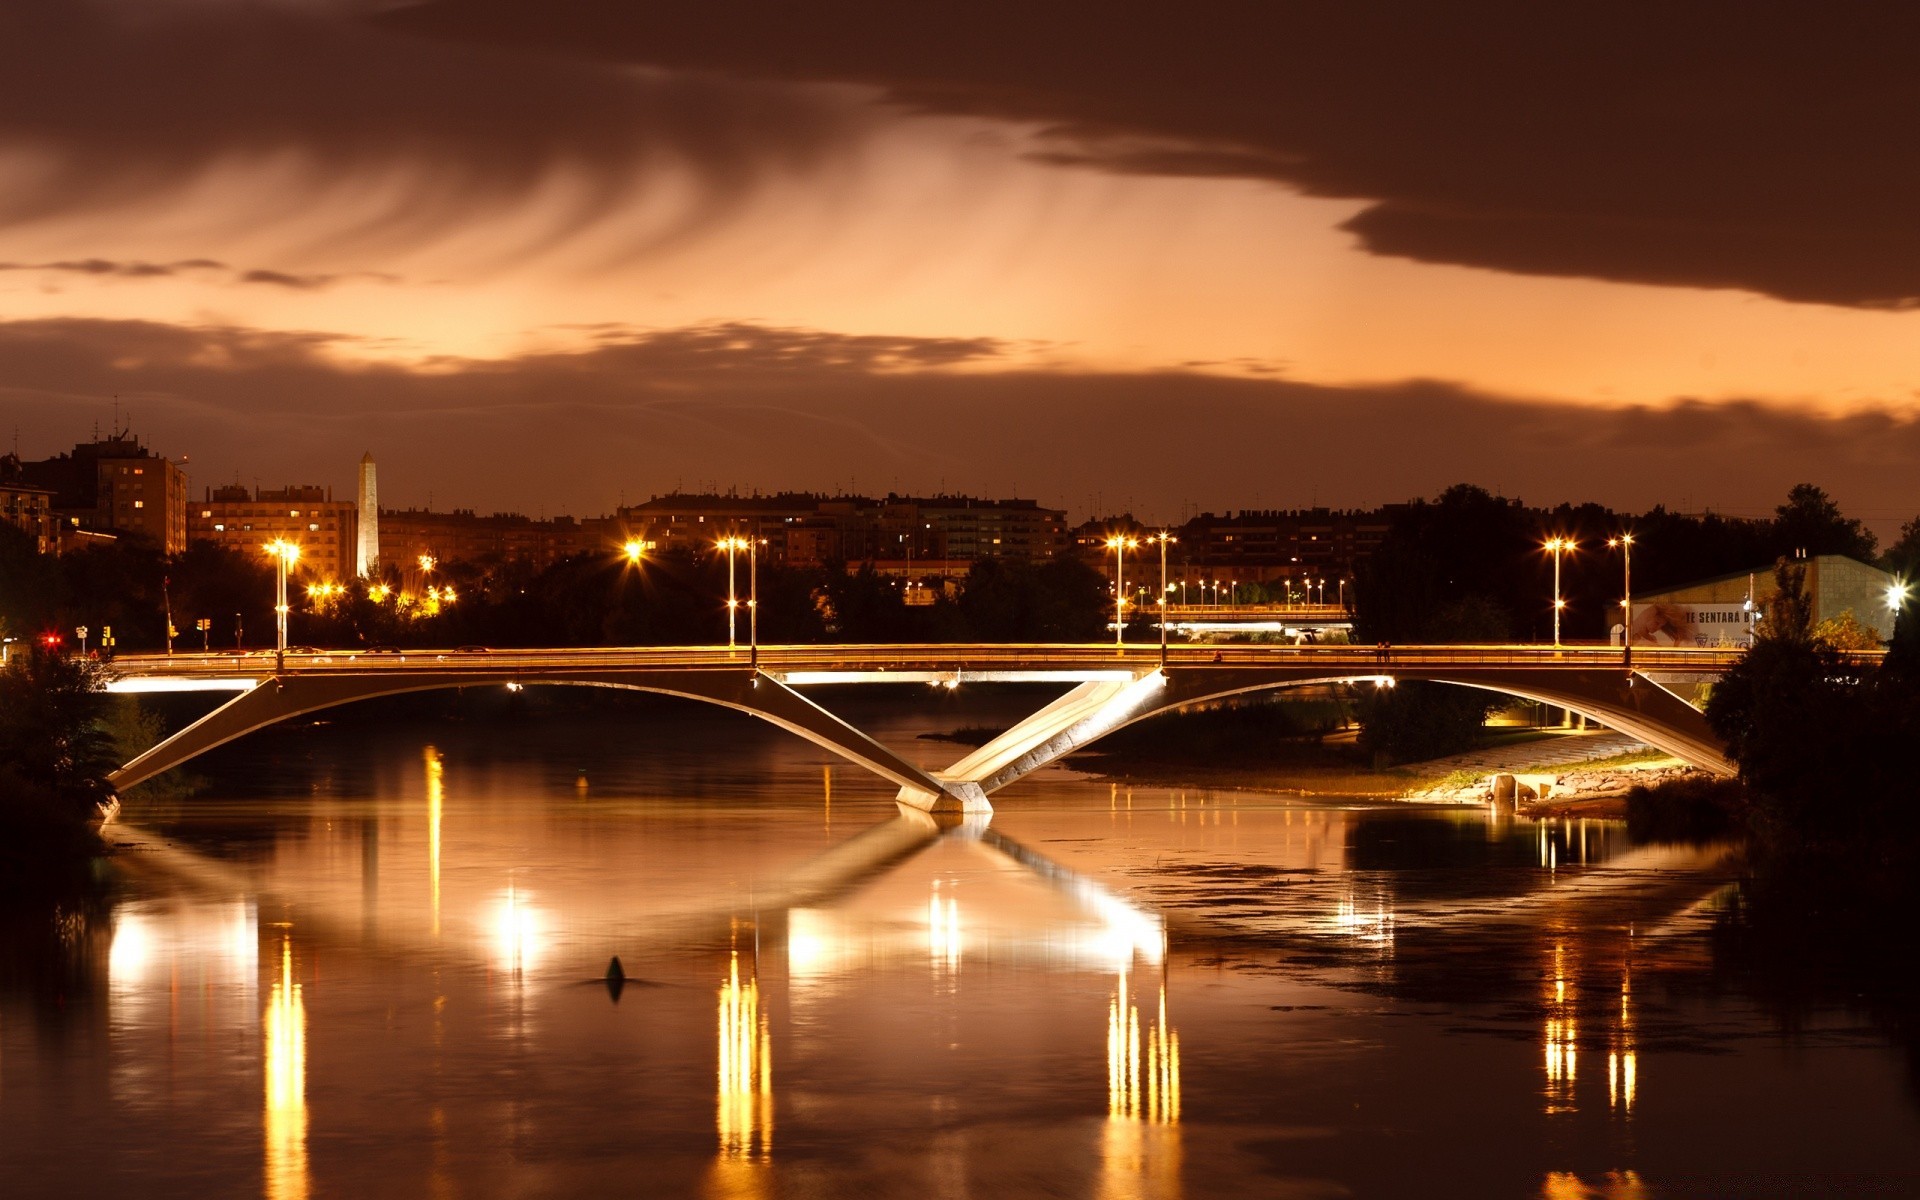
(1108, 688)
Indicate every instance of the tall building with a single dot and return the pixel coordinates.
(26, 507)
(324, 528)
(366, 559)
(116, 485)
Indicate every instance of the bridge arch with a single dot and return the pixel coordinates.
(286, 697)
(1630, 703)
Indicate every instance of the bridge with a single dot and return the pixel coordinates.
(1107, 688)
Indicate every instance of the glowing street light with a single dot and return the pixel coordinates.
(1625, 545)
(1165, 539)
(1897, 593)
(285, 554)
(1558, 546)
(635, 550)
(1120, 544)
(732, 544)
(753, 600)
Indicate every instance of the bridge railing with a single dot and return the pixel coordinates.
(1351, 660)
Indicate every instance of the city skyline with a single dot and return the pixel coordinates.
(1236, 259)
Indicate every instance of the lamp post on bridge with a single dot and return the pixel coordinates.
(285, 554)
(732, 544)
(1165, 539)
(1120, 543)
(753, 600)
(1558, 546)
(1625, 544)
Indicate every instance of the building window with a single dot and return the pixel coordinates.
(206, 512)
(313, 527)
(139, 503)
(219, 528)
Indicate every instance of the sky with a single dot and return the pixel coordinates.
(555, 257)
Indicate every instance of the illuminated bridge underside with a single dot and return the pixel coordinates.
(1108, 693)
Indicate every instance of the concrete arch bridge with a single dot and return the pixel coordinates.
(1106, 688)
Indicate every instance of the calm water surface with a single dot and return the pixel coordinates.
(369, 961)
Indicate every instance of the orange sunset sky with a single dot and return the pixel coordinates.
(550, 257)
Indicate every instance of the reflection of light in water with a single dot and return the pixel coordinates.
(745, 1107)
(286, 1075)
(1614, 1185)
(1623, 1060)
(1561, 1038)
(1140, 1145)
(163, 953)
(516, 934)
(1127, 1084)
(1375, 926)
(943, 931)
(436, 795)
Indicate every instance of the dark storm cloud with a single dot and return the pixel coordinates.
(119, 105)
(1770, 147)
(637, 412)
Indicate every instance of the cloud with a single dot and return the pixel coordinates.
(1757, 147)
(110, 268)
(636, 412)
(108, 107)
(104, 268)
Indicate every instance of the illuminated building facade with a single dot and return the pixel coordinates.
(466, 536)
(27, 508)
(245, 520)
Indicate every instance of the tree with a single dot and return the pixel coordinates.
(1846, 632)
(1903, 557)
(1810, 523)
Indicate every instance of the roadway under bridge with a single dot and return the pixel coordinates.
(1105, 688)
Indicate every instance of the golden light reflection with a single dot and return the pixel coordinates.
(1623, 1058)
(745, 1103)
(943, 931)
(518, 936)
(1614, 1185)
(1561, 1037)
(1152, 1094)
(436, 795)
(286, 1082)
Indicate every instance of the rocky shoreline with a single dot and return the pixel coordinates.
(1595, 791)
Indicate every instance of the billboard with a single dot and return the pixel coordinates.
(1692, 624)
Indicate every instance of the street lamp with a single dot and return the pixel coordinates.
(732, 544)
(1897, 593)
(635, 550)
(285, 554)
(1557, 546)
(1165, 539)
(1120, 544)
(1625, 544)
(753, 600)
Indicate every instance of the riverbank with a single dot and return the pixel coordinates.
(1556, 773)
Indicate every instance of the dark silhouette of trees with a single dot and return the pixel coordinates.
(1810, 523)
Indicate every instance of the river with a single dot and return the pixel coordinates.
(370, 958)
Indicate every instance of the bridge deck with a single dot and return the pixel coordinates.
(872, 662)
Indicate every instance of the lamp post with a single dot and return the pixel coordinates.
(1625, 544)
(285, 554)
(732, 544)
(1557, 546)
(753, 599)
(1165, 539)
(1119, 544)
